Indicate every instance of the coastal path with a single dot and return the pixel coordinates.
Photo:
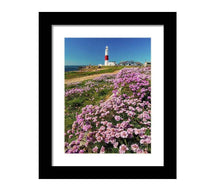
(73, 80)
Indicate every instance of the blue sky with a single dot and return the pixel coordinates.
(85, 51)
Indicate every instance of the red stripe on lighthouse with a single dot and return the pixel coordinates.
(106, 57)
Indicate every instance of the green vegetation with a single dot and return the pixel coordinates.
(94, 91)
(91, 71)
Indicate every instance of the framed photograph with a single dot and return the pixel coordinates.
(107, 95)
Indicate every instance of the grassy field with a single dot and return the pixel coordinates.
(91, 71)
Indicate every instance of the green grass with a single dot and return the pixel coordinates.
(91, 71)
(75, 103)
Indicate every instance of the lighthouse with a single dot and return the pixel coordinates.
(106, 55)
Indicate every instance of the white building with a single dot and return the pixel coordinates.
(111, 63)
(146, 64)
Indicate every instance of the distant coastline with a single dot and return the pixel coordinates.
(69, 68)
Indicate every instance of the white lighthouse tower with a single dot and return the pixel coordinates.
(106, 56)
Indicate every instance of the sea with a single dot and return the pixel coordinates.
(73, 68)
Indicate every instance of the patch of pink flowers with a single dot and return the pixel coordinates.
(121, 124)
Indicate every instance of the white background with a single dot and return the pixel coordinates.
(59, 158)
(198, 100)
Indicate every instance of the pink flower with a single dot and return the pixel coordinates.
(86, 127)
(122, 149)
(131, 108)
(105, 122)
(139, 151)
(97, 124)
(69, 131)
(112, 140)
(117, 118)
(118, 125)
(140, 116)
(102, 128)
(70, 136)
(124, 124)
(109, 125)
(139, 109)
(107, 140)
(115, 144)
(148, 140)
(142, 141)
(99, 139)
(130, 113)
(143, 136)
(95, 149)
(102, 150)
(86, 144)
(136, 131)
(130, 131)
(124, 134)
(117, 135)
(78, 142)
(95, 119)
(81, 136)
(134, 147)
(72, 143)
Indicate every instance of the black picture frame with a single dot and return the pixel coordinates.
(46, 170)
